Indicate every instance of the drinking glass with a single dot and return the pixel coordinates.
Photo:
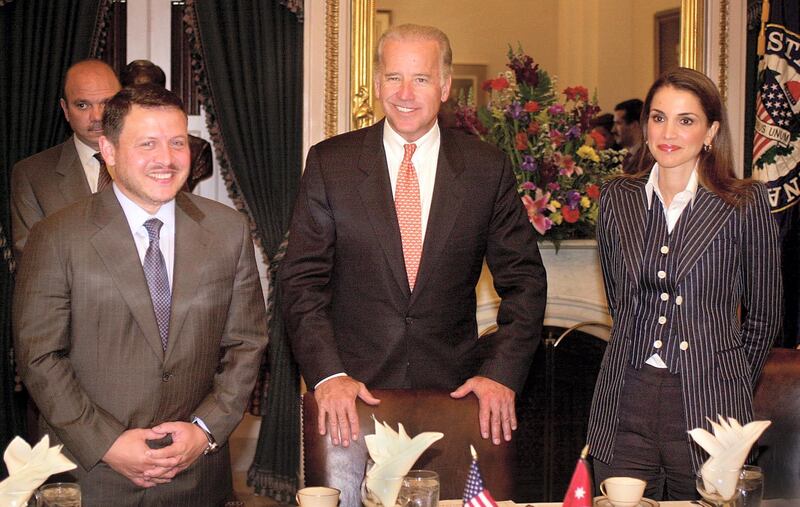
(59, 494)
(751, 486)
(420, 489)
(712, 495)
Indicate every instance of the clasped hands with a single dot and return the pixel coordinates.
(336, 399)
(132, 457)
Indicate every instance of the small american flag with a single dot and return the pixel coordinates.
(475, 494)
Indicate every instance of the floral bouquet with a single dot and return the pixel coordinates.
(559, 161)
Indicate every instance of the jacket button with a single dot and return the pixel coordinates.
(679, 300)
(658, 344)
(662, 274)
(166, 376)
(665, 249)
(662, 320)
(684, 345)
(664, 296)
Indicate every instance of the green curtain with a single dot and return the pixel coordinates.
(248, 65)
(39, 40)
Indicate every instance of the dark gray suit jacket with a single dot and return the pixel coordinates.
(43, 184)
(730, 259)
(346, 297)
(89, 350)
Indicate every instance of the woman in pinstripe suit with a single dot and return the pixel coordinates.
(691, 265)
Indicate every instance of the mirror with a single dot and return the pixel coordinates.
(611, 46)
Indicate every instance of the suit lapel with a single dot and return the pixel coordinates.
(446, 204)
(708, 215)
(376, 196)
(115, 246)
(191, 240)
(631, 220)
(72, 182)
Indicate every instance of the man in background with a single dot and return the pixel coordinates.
(389, 233)
(140, 72)
(143, 396)
(52, 179)
(628, 131)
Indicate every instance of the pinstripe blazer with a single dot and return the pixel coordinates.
(729, 258)
(89, 350)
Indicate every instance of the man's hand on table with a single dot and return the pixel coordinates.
(336, 399)
(496, 401)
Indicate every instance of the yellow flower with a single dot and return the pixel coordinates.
(556, 217)
(588, 152)
(555, 204)
(585, 202)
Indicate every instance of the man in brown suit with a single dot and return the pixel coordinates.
(142, 397)
(52, 179)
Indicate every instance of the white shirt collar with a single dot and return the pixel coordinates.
(137, 216)
(395, 142)
(652, 186)
(85, 152)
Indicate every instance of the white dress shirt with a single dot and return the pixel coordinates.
(671, 213)
(91, 166)
(137, 217)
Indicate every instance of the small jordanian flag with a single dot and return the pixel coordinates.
(475, 494)
(579, 492)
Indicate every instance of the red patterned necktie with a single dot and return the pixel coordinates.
(409, 214)
(103, 177)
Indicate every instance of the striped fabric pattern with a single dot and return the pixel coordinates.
(727, 257)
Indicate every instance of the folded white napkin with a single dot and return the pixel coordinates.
(394, 453)
(29, 468)
(728, 446)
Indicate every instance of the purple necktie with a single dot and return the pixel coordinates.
(155, 270)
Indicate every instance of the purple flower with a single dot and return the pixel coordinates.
(514, 110)
(528, 185)
(574, 132)
(528, 164)
(524, 69)
(555, 109)
(573, 198)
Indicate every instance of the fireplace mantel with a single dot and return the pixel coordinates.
(575, 292)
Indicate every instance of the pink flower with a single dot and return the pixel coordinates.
(536, 208)
(528, 185)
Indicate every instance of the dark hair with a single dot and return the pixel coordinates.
(605, 120)
(149, 96)
(632, 108)
(140, 72)
(715, 167)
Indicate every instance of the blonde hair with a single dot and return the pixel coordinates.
(416, 32)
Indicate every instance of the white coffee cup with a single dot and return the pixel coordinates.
(317, 496)
(623, 491)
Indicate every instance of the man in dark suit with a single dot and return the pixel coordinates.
(142, 396)
(140, 72)
(390, 229)
(52, 179)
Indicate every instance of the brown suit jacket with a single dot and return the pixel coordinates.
(346, 297)
(89, 351)
(43, 184)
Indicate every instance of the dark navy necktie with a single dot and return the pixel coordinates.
(155, 270)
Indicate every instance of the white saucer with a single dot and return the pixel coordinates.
(601, 501)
